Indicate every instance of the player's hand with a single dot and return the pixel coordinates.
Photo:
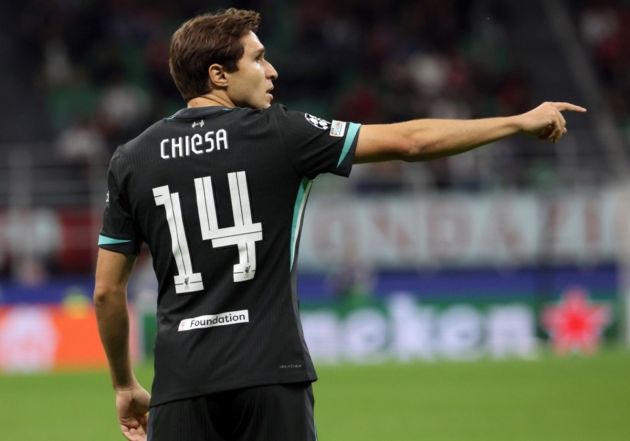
(546, 121)
(132, 406)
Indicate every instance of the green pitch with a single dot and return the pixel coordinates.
(572, 399)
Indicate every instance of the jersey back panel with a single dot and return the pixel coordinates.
(218, 196)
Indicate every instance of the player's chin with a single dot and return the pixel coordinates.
(268, 100)
(264, 103)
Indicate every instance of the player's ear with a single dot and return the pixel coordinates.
(216, 76)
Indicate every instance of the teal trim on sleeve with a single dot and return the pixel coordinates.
(104, 240)
(298, 212)
(353, 129)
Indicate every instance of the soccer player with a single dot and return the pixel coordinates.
(217, 192)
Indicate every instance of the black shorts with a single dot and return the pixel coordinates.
(279, 412)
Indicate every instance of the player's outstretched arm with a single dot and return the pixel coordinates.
(425, 139)
(110, 300)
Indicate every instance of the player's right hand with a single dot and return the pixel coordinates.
(132, 406)
(546, 121)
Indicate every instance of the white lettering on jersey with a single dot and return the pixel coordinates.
(186, 280)
(196, 144)
(210, 321)
(244, 234)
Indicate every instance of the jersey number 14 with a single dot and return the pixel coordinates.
(244, 234)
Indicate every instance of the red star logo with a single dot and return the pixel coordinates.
(575, 324)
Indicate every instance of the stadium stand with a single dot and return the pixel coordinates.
(93, 74)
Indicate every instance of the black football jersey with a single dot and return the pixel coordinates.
(218, 196)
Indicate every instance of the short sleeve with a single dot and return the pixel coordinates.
(118, 232)
(315, 145)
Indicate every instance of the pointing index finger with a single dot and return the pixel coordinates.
(570, 107)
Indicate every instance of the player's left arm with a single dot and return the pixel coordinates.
(425, 139)
(110, 300)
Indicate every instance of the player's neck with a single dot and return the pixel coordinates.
(211, 99)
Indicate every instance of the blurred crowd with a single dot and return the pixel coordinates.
(102, 66)
(605, 29)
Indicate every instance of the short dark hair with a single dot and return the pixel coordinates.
(205, 40)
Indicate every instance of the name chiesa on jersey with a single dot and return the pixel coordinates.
(197, 144)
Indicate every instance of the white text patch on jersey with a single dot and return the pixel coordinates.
(196, 144)
(210, 321)
(317, 122)
(338, 128)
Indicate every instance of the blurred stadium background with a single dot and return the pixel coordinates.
(519, 251)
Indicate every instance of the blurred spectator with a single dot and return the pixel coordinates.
(360, 103)
(599, 23)
(605, 28)
(33, 237)
(123, 110)
(82, 144)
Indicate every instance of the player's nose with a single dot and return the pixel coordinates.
(271, 71)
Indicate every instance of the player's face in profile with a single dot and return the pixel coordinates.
(251, 84)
